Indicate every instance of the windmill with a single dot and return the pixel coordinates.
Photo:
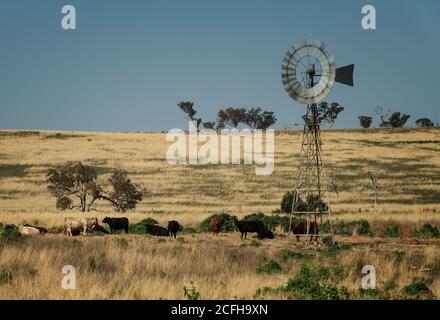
(308, 75)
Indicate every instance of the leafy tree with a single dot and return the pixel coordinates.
(78, 180)
(424, 122)
(365, 121)
(209, 125)
(188, 108)
(325, 113)
(256, 118)
(398, 120)
(232, 116)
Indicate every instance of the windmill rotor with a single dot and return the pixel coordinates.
(309, 72)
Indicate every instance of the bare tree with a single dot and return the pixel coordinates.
(384, 122)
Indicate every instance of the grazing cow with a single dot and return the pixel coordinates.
(173, 228)
(298, 228)
(156, 230)
(216, 226)
(265, 234)
(250, 226)
(25, 230)
(41, 229)
(116, 224)
(84, 224)
(99, 228)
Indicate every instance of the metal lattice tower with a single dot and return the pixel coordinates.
(308, 74)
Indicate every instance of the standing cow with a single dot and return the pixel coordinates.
(298, 228)
(84, 224)
(173, 228)
(116, 224)
(215, 226)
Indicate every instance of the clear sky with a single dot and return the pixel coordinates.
(130, 62)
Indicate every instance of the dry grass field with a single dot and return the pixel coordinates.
(406, 161)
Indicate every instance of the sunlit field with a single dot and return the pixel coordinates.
(406, 162)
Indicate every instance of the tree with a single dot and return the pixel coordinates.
(209, 125)
(78, 180)
(397, 120)
(188, 108)
(326, 113)
(232, 116)
(424, 122)
(365, 121)
(256, 118)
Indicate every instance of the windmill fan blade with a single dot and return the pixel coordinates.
(344, 75)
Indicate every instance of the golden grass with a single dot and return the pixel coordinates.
(406, 161)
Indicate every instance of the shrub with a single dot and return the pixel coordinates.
(269, 221)
(10, 233)
(391, 231)
(312, 283)
(191, 293)
(5, 277)
(362, 227)
(139, 228)
(427, 231)
(269, 267)
(418, 290)
(228, 222)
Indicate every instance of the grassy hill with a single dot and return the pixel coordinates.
(407, 162)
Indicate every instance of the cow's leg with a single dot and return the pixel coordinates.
(241, 236)
(297, 238)
(245, 235)
(85, 230)
(69, 231)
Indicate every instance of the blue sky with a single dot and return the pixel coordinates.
(130, 62)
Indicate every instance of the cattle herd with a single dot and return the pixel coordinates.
(76, 226)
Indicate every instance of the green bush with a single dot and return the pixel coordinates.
(427, 231)
(5, 277)
(270, 221)
(269, 267)
(362, 227)
(417, 290)
(191, 293)
(139, 228)
(311, 283)
(228, 222)
(10, 233)
(312, 203)
(391, 231)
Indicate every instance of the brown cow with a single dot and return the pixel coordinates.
(298, 228)
(215, 226)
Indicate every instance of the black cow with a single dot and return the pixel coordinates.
(156, 230)
(265, 234)
(251, 226)
(173, 228)
(116, 224)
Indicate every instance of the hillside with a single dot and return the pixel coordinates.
(407, 162)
